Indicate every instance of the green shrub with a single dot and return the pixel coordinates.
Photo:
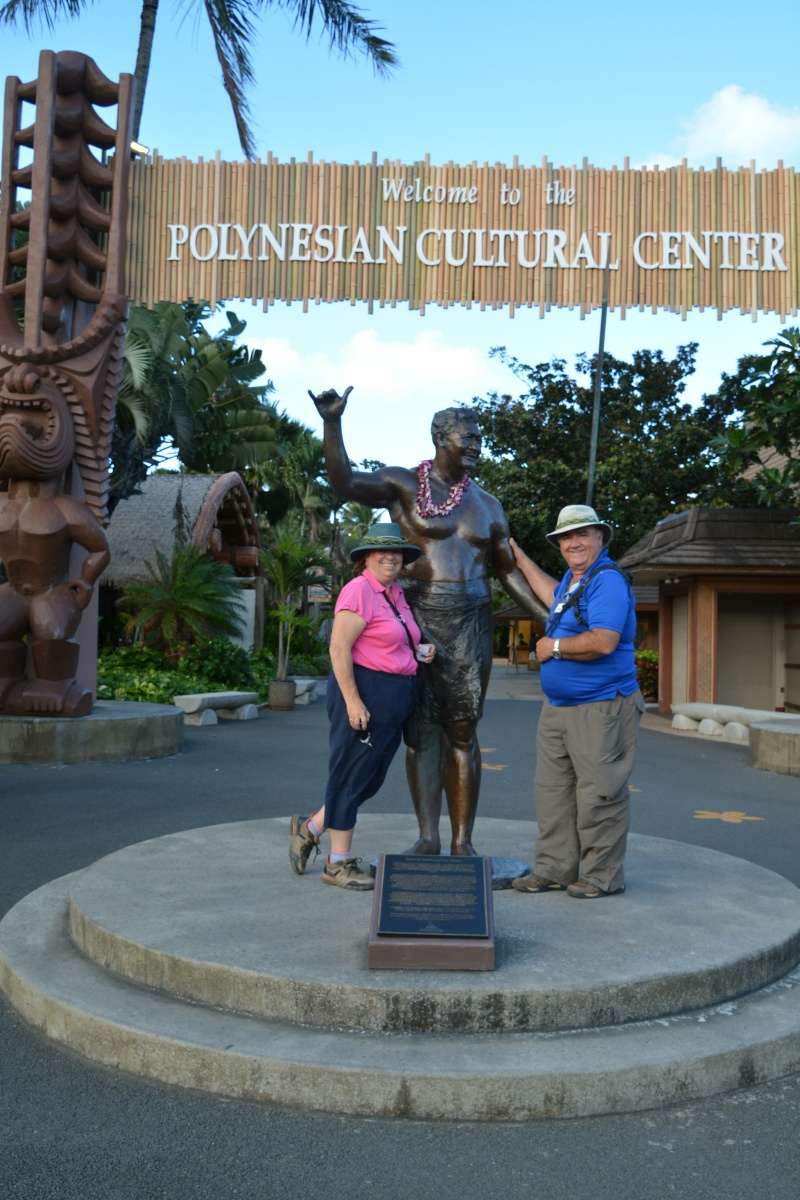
(147, 685)
(263, 665)
(218, 659)
(647, 672)
(305, 664)
(138, 657)
(211, 665)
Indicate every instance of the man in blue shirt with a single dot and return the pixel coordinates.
(586, 739)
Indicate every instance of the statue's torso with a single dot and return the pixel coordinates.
(456, 546)
(34, 541)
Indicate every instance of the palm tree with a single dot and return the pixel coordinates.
(231, 24)
(185, 597)
(182, 390)
(290, 565)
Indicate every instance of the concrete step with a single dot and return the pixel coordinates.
(215, 915)
(427, 1076)
(486, 1073)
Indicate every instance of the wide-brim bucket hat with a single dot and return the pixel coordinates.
(385, 535)
(578, 516)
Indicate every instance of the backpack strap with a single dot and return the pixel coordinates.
(572, 600)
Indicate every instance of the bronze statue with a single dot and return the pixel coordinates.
(62, 320)
(460, 528)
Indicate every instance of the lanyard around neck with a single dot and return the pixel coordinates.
(399, 616)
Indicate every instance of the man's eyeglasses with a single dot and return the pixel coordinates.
(365, 739)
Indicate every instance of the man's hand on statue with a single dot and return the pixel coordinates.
(544, 648)
(519, 555)
(330, 404)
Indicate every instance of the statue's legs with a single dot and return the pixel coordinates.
(54, 689)
(462, 783)
(444, 755)
(12, 667)
(13, 651)
(425, 774)
(446, 759)
(54, 617)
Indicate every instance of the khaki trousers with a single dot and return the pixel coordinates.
(584, 757)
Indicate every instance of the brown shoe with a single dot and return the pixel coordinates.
(536, 883)
(346, 874)
(301, 843)
(584, 889)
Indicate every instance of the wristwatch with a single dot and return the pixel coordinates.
(556, 650)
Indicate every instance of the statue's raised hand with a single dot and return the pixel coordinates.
(330, 404)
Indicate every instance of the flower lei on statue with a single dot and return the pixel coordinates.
(425, 505)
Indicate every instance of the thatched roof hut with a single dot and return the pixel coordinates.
(210, 511)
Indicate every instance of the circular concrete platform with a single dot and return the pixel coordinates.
(199, 959)
(114, 731)
(217, 916)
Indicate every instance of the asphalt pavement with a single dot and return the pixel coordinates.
(71, 1130)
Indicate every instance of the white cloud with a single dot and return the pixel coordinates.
(397, 387)
(736, 126)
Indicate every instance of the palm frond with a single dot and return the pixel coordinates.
(46, 12)
(231, 29)
(346, 27)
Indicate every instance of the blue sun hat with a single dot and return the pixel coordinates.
(386, 535)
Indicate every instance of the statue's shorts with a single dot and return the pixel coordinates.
(457, 619)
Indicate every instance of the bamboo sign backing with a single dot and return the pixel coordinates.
(386, 233)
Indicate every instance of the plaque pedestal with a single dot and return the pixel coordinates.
(429, 951)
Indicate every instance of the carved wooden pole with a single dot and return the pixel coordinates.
(63, 211)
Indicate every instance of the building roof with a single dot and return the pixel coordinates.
(718, 540)
(210, 511)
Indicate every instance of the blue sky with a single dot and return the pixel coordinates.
(654, 83)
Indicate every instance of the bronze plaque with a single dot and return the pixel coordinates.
(433, 896)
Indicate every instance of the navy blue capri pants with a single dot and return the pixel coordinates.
(356, 771)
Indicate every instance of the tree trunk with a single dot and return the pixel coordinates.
(147, 28)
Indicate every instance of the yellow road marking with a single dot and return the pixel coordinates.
(494, 766)
(732, 818)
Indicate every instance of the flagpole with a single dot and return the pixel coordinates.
(598, 377)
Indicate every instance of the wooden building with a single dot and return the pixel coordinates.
(213, 512)
(729, 605)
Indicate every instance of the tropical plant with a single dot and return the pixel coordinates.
(186, 597)
(290, 565)
(227, 663)
(232, 28)
(183, 390)
(647, 672)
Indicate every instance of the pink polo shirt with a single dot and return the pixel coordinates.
(383, 645)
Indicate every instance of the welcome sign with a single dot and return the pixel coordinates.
(386, 232)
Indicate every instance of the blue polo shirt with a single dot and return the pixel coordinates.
(607, 603)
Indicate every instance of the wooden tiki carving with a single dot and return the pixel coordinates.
(62, 323)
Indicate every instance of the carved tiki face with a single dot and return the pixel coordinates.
(37, 438)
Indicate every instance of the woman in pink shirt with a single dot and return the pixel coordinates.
(375, 648)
